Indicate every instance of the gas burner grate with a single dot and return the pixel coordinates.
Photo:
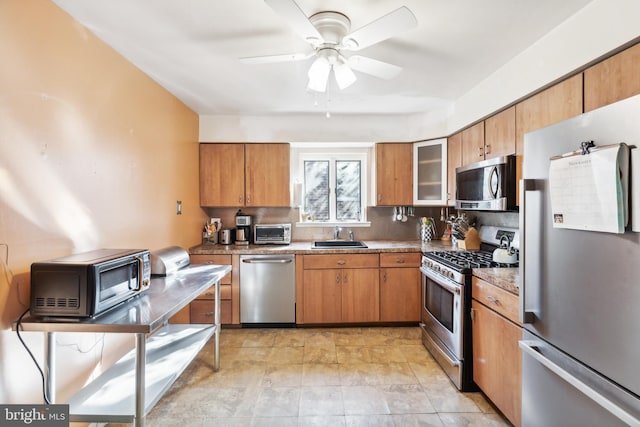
(464, 260)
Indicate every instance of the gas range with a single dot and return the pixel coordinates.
(446, 302)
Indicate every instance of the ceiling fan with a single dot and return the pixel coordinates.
(329, 35)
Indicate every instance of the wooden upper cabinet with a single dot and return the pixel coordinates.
(494, 137)
(557, 103)
(236, 175)
(454, 160)
(222, 175)
(394, 174)
(500, 134)
(613, 79)
(267, 176)
(473, 144)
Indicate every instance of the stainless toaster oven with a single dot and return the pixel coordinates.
(89, 283)
(272, 234)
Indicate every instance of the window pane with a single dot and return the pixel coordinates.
(347, 190)
(316, 189)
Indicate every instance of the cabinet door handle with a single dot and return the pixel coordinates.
(338, 278)
(240, 199)
(487, 149)
(341, 262)
(379, 197)
(384, 276)
(480, 152)
(248, 200)
(346, 278)
(400, 260)
(493, 299)
(473, 314)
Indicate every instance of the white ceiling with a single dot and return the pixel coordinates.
(191, 47)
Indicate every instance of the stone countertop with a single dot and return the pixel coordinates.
(505, 278)
(304, 248)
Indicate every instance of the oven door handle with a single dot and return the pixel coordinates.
(448, 286)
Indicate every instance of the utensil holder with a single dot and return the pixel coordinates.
(211, 239)
(426, 232)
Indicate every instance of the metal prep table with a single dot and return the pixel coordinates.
(162, 351)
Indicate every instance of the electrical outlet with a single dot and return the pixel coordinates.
(179, 207)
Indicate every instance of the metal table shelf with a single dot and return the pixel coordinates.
(162, 352)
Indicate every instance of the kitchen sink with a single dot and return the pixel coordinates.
(337, 244)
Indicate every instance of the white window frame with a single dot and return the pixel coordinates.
(333, 155)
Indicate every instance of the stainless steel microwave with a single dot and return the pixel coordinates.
(89, 283)
(264, 234)
(489, 185)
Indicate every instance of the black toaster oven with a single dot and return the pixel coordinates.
(89, 283)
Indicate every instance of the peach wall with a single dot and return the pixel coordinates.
(93, 153)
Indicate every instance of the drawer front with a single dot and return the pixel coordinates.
(214, 259)
(400, 259)
(225, 293)
(201, 311)
(497, 299)
(348, 260)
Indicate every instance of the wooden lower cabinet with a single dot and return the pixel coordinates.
(400, 287)
(322, 296)
(497, 360)
(340, 288)
(201, 310)
(360, 295)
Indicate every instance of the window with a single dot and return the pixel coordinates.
(333, 186)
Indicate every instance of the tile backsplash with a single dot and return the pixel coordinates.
(382, 225)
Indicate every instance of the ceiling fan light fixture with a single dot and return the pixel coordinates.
(319, 74)
(344, 75)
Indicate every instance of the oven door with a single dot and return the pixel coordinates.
(117, 281)
(443, 311)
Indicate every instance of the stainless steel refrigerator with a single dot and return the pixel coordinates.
(580, 291)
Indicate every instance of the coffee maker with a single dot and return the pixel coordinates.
(243, 228)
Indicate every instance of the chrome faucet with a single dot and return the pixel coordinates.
(351, 235)
(336, 233)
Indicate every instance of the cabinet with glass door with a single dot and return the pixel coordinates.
(430, 172)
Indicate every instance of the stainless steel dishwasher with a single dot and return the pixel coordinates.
(267, 289)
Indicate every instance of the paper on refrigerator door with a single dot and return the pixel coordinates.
(634, 193)
(590, 192)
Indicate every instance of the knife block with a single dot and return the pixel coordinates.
(471, 240)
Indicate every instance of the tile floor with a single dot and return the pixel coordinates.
(320, 377)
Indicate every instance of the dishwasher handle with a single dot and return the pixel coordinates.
(267, 261)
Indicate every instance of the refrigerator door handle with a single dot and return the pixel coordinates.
(530, 348)
(526, 185)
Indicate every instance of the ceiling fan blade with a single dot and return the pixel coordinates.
(376, 68)
(344, 75)
(268, 59)
(389, 25)
(296, 18)
(319, 74)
